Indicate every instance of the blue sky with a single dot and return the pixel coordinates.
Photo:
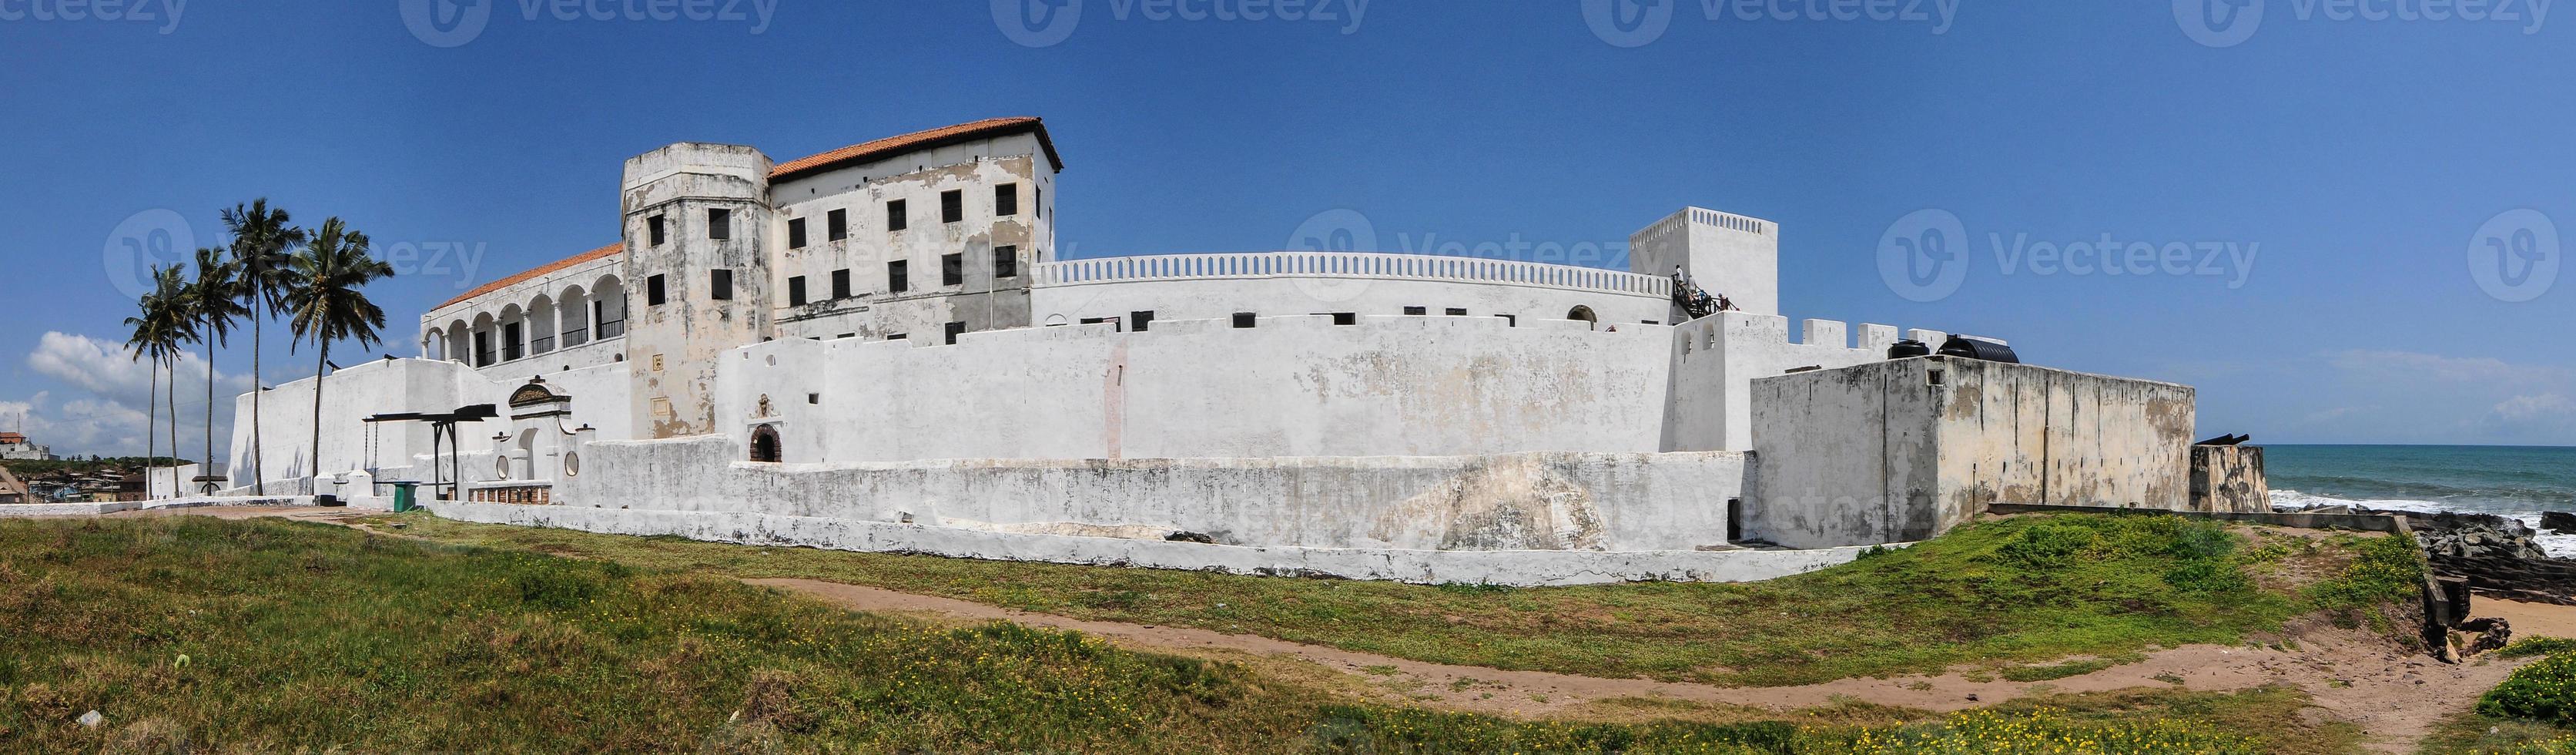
(2355, 163)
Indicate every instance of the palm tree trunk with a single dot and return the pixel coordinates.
(173, 415)
(258, 471)
(209, 463)
(151, 425)
(321, 361)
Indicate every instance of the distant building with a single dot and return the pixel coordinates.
(12, 490)
(16, 447)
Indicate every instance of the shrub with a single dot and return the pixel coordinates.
(2544, 692)
(2384, 570)
(2531, 646)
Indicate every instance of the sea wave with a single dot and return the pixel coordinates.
(2557, 546)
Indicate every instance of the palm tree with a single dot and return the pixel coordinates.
(324, 303)
(214, 300)
(157, 330)
(262, 242)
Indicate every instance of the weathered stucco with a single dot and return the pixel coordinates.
(2229, 479)
(1903, 450)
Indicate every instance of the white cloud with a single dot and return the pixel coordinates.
(121, 400)
(2540, 408)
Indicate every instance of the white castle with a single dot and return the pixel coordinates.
(878, 348)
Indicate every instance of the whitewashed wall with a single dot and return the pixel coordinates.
(1556, 501)
(400, 450)
(1293, 386)
(1216, 286)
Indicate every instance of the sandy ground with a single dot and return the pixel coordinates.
(2396, 697)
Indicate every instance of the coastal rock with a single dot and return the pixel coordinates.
(2558, 522)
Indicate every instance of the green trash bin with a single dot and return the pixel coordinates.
(403, 496)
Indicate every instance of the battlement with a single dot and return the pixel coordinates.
(1675, 222)
(1347, 265)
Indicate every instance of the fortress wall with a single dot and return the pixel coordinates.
(1717, 358)
(400, 450)
(1511, 568)
(1293, 386)
(1220, 298)
(1552, 501)
(1903, 450)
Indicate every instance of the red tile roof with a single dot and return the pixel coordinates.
(856, 153)
(595, 254)
(913, 142)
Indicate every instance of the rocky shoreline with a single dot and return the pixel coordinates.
(2495, 555)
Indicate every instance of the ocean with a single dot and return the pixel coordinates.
(2515, 481)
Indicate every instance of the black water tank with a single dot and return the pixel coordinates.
(1972, 348)
(1908, 348)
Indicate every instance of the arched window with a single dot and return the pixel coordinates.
(764, 445)
(1583, 313)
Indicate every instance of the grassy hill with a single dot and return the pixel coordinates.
(208, 635)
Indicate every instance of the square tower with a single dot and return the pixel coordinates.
(1726, 254)
(697, 268)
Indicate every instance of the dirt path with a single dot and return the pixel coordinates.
(2350, 677)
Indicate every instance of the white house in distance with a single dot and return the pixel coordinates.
(878, 348)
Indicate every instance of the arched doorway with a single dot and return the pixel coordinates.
(764, 445)
(1583, 313)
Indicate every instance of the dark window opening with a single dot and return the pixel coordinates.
(1346, 318)
(1417, 310)
(952, 206)
(815, 398)
(796, 233)
(720, 285)
(899, 276)
(510, 335)
(796, 291)
(1457, 312)
(653, 291)
(1110, 321)
(952, 269)
(1243, 319)
(1006, 262)
(895, 220)
(482, 348)
(836, 225)
(841, 284)
(899, 337)
(764, 444)
(1140, 320)
(953, 330)
(720, 224)
(1006, 200)
(1734, 519)
(653, 227)
(1039, 199)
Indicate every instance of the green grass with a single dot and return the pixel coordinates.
(2002, 593)
(203, 635)
(2531, 646)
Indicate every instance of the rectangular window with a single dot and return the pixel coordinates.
(720, 285)
(898, 276)
(1006, 200)
(1006, 262)
(1039, 200)
(796, 233)
(841, 284)
(653, 291)
(952, 206)
(1139, 321)
(653, 227)
(720, 224)
(1417, 310)
(1346, 318)
(836, 225)
(796, 291)
(1243, 319)
(899, 337)
(952, 269)
(954, 330)
(895, 220)
(1457, 312)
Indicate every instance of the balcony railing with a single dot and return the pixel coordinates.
(1349, 265)
(576, 337)
(542, 345)
(611, 329)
